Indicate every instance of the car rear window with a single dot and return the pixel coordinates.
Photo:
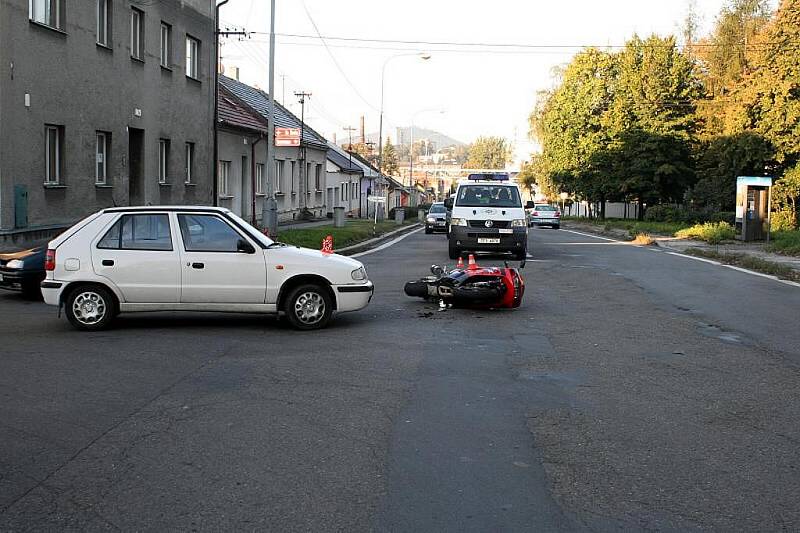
(438, 209)
(545, 208)
(488, 196)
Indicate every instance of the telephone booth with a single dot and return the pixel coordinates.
(753, 199)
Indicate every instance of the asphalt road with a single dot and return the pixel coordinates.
(634, 390)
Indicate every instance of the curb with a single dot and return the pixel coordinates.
(376, 241)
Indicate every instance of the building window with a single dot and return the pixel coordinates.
(166, 43)
(189, 168)
(47, 12)
(103, 22)
(291, 177)
(307, 178)
(355, 191)
(344, 191)
(163, 161)
(102, 149)
(224, 178)
(318, 178)
(192, 57)
(259, 178)
(53, 155)
(278, 176)
(137, 34)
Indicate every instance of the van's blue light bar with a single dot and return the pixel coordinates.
(490, 176)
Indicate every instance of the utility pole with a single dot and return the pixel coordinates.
(303, 204)
(269, 214)
(283, 89)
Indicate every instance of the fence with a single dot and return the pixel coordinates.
(613, 210)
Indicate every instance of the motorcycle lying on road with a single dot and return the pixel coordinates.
(472, 287)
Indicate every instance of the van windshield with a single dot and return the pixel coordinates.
(488, 196)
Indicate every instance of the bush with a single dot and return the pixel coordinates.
(785, 242)
(784, 220)
(675, 213)
(729, 217)
(710, 232)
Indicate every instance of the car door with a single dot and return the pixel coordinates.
(215, 267)
(138, 255)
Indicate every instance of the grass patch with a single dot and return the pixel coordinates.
(710, 232)
(785, 242)
(749, 262)
(355, 231)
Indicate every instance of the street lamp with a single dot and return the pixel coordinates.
(422, 55)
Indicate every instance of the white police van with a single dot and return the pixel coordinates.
(486, 215)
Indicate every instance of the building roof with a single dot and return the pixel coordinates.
(343, 160)
(234, 114)
(258, 101)
(369, 171)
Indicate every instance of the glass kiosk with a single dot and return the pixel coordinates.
(753, 199)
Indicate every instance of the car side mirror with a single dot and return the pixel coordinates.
(244, 247)
(530, 205)
(448, 204)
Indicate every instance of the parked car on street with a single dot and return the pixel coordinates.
(184, 258)
(436, 218)
(544, 215)
(23, 271)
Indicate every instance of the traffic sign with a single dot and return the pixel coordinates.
(287, 136)
(376, 199)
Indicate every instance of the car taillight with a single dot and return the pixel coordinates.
(558, 214)
(50, 260)
(536, 213)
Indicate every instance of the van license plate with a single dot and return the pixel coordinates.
(488, 241)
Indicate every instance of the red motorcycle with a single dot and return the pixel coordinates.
(473, 286)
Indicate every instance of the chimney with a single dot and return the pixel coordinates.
(363, 133)
(334, 137)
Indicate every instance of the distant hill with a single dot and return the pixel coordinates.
(403, 136)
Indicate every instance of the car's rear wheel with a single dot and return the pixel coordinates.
(90, 308)
(557, 226)
(309, 307)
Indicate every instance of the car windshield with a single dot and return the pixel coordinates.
(488, 196)
(545, 208)
(438, 208)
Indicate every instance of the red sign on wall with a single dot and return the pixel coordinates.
(287, 136)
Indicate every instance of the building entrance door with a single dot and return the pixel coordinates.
(135, 166)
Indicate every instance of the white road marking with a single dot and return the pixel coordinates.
(590, 235)
(738, 269)
(387, 244)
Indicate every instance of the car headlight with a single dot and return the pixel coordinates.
(431, 219)
(518, 223)
(359, 274)
(458, 221)
(15, 263)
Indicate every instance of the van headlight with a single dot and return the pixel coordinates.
(519, 223)
(15, 263)
(431, 219)
(359, 274)
(458, 221)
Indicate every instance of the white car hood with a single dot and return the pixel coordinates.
(336, 268)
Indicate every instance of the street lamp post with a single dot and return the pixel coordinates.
(422, 55)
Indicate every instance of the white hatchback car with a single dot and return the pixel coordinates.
(127, 259)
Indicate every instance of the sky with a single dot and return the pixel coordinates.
(462, 91)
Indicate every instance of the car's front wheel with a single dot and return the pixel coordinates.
(90, 308)
(428, 230)
(309, 307)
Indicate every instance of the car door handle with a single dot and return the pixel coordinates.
(108, 262)
(198, 266)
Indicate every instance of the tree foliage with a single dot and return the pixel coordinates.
(488, 152)
(389, 163)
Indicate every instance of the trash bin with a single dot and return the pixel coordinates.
(338, 217)
(399, 216)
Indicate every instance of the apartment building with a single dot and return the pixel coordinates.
(103, 103)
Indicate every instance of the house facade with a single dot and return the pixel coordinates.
(345, 179)
(300, 172)
(103, 103)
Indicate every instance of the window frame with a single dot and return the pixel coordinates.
(163, 161)
(48, 179)
(137, 16)
(223, 178)
(279, 164)
(104, 8)
(260, 167)
(188, 163)
(55, 20)
(121, 221)
(165, 46)
(102, 139)
(181, 216)
(192, 69)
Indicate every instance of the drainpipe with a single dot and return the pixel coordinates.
(215, 164)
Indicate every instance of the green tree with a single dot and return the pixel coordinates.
(786, 200)
(488, 152)
(389, 163)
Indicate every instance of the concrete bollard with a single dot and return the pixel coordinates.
(338, 217)
(399, 216)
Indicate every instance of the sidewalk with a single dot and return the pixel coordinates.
(755, 249)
